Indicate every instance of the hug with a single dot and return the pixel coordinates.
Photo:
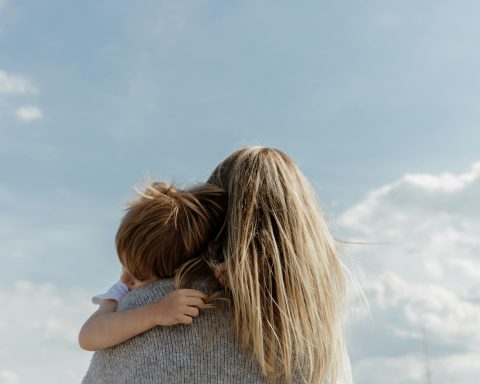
(236, 280)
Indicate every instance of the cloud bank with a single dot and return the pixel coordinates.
(423, 283)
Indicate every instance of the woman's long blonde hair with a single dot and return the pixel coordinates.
(282, 273)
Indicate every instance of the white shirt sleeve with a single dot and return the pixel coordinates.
(116, 292)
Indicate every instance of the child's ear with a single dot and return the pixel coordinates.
(127, 279)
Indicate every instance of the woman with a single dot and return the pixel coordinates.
(284, 285)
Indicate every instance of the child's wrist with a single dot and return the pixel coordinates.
(153, 314)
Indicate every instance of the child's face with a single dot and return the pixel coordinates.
(130, 281)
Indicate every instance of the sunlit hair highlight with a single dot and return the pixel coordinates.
(284, 279)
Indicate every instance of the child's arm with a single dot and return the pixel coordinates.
(106, 328)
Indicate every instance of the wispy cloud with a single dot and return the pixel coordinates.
(13, 84)
(29, 113)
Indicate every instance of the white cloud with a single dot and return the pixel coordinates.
(15, 85)
(12, 84)
(421, 279)
(29, 113)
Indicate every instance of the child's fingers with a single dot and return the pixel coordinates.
(186, 319)
(191, 311)
(195, 301)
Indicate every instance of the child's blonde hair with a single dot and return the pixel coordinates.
(167, 226)
(284, 279)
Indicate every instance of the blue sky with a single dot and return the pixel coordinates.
(94, 94)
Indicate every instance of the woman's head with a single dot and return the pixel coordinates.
(283, 274)
(167, 226)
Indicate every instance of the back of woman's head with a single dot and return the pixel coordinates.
(281, 268)
(167, 226)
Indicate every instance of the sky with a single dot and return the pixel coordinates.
(377, 101)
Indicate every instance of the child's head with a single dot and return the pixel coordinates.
(167, 226)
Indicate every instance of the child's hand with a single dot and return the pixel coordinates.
(178, 307)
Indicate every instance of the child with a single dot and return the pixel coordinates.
(163, 229)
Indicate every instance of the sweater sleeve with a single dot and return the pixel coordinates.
(146, 294)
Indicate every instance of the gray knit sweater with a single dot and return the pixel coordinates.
(202, 352)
